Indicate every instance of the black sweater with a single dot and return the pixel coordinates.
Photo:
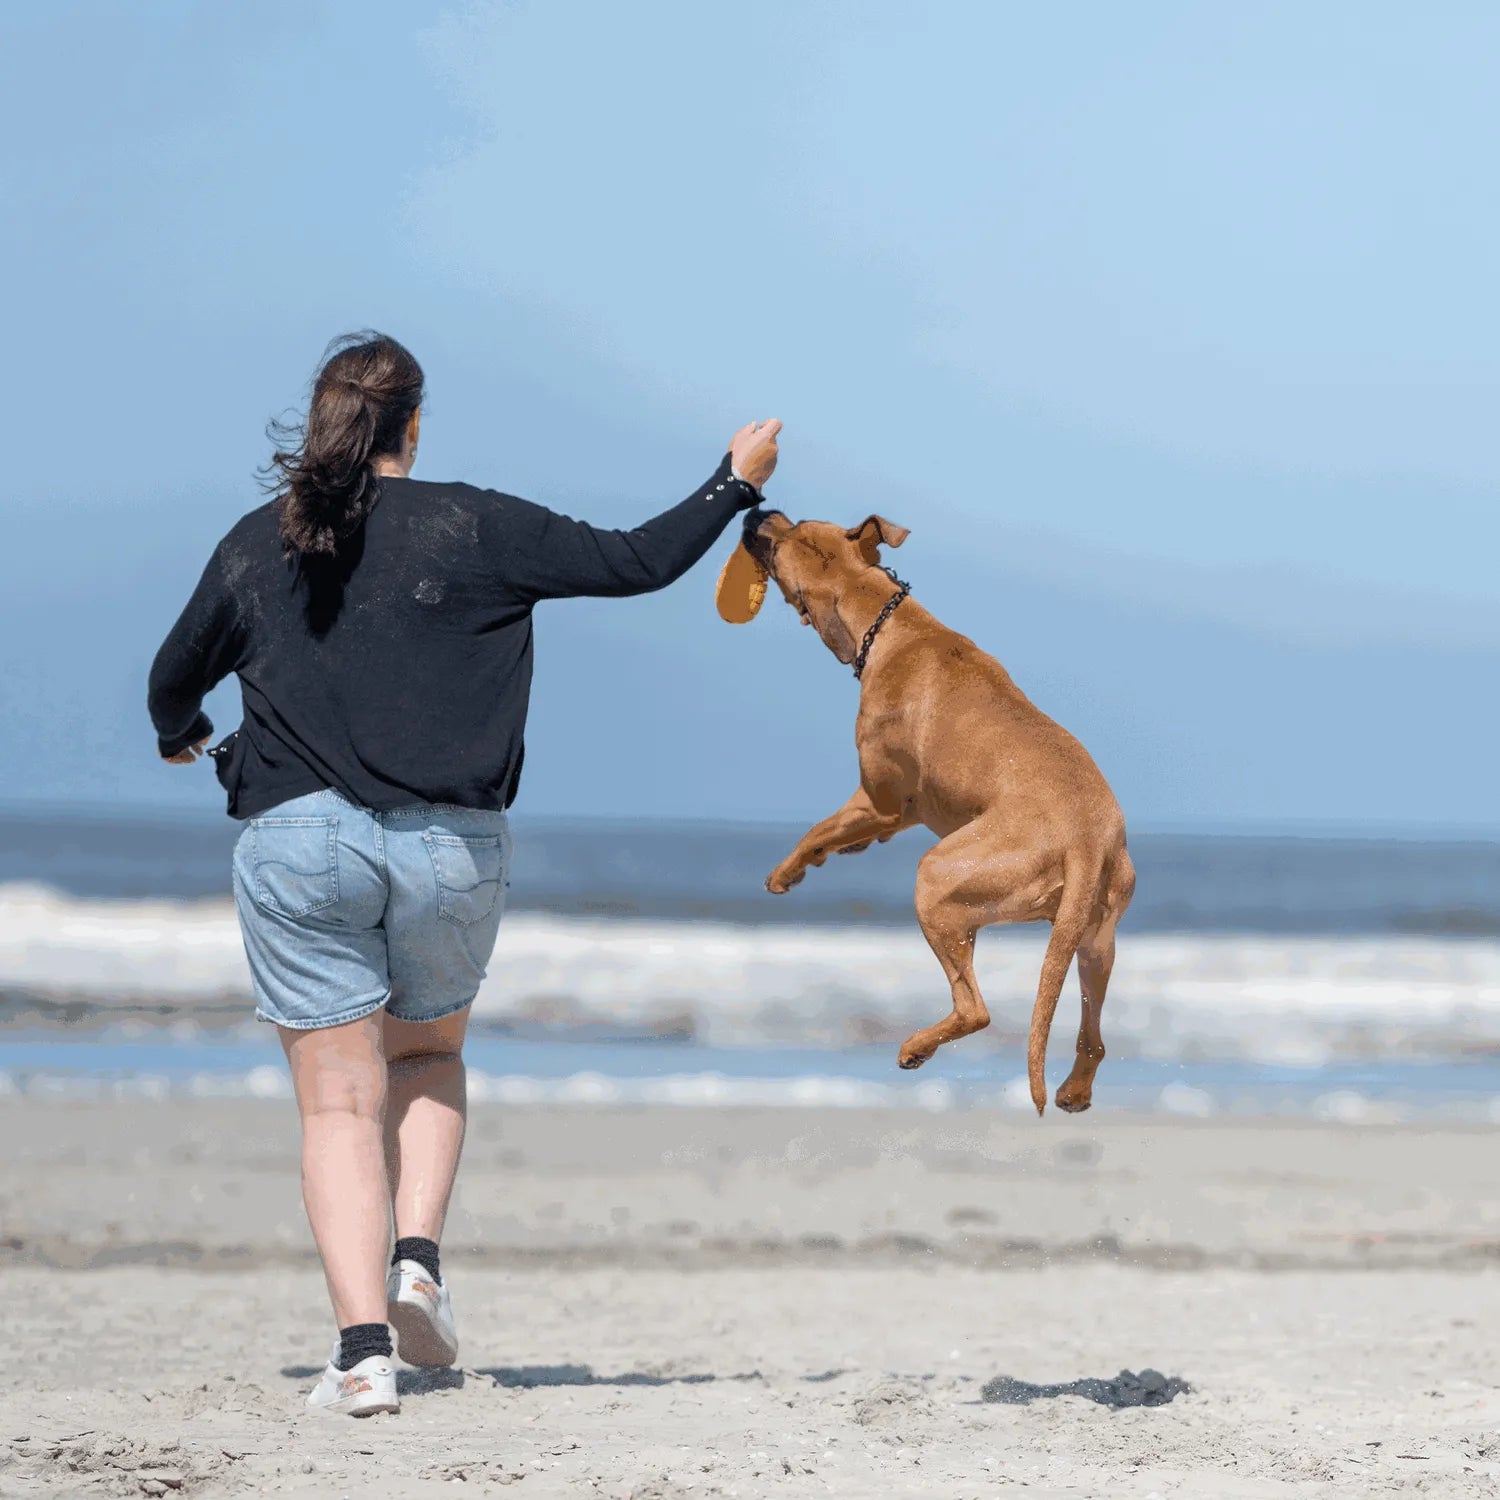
(401, 673)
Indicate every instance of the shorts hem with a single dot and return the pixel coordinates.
(435, 1015)
(321, 1023)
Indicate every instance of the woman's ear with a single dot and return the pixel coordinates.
(414, 430)
(876, 531)
(741, 589)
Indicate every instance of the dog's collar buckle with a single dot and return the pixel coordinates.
(902, 591)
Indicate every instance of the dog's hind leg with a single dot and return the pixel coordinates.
(952, 940)
(1096, 959)
(951, 911)
(856, 825)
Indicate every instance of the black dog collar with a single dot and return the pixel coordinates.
(902, 591)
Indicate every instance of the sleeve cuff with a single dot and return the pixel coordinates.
(735, 486)
(200, 729)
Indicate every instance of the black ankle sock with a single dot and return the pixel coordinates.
(424, 1252)
(360, 1341)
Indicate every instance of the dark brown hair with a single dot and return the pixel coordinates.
(323, 470)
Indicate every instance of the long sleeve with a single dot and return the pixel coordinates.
(198, 653)
(551, 556)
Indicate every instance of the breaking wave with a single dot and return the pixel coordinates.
(1279, 999)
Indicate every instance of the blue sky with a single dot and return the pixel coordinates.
(1170, 330)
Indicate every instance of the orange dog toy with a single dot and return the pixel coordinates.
(741, 589)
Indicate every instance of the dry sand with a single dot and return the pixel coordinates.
(673, 1303)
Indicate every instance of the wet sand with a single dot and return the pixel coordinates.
(678, 1302)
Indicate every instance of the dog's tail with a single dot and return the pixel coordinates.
(1075, 908)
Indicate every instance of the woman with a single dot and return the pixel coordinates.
(380, 627)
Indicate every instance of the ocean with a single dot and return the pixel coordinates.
(1350, 979)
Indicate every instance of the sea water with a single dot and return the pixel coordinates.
(1349, 979)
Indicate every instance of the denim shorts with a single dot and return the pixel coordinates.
(344, 910)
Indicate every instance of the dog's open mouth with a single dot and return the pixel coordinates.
(758, 541)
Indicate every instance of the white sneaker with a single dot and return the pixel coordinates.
(361, 1392)
(421, 1313)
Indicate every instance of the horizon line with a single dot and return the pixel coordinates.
(1286, 828)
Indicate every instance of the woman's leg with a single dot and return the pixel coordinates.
(339, 1075)
(424, 1119)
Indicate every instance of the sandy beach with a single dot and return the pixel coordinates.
(665, 1302)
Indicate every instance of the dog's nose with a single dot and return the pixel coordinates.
(756, 543)
(755, 519)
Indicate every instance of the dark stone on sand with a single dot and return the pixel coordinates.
(1148, 1388)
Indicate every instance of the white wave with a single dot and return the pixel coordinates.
(1285, 999)
(808, 1091)
(119, 950)
(700, 1090)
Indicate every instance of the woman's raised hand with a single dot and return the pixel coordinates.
(752, 451)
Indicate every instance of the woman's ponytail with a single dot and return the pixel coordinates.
(323, 470)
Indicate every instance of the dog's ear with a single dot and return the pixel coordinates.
(876, 531)
(741, 589)
(837, 637)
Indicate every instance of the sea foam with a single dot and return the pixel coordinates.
(1297, 1000)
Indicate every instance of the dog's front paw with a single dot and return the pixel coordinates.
(783, 878)
(909, 1057)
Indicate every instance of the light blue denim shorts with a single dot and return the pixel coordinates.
(344, 910)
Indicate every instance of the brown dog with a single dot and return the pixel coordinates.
(1029, 828)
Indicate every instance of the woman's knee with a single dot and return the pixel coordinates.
(345, 1088)
(422, 1044)
(423, 1060)
(339, 1071)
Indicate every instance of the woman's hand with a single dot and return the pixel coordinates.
(187, 756)
(752, 451)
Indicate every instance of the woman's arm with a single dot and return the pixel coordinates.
(551, 556)
(198, 653)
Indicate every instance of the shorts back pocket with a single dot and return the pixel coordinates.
(470, 875)
(296, 864)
